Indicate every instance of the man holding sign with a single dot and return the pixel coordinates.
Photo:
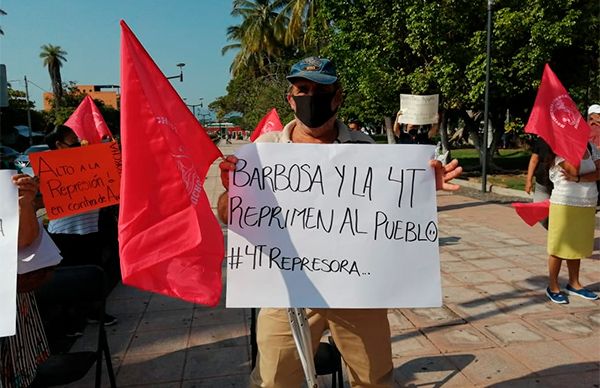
(362, 335)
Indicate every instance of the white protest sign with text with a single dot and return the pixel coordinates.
(9, 233)
(418, 110)
(338, 225)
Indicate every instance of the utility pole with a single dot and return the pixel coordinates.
(487, 98)
(28, 111)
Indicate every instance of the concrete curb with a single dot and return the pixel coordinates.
(493, 189)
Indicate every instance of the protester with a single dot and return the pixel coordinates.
(77, 236)
(21, 354)
(540, 162)
(572, 222)
(593, 119)
(362, 335)
(354, 125)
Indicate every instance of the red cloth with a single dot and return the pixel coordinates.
(170, 241)
(87, 122)
(269, 123)
(555, 118)
(532, 212)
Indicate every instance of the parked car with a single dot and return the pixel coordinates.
(23, 160)
(7, 157)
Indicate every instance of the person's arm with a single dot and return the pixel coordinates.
(28, 223)
(397, 125)
(533, 162)
(571, 173)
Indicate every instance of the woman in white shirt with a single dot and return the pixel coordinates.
(572, 222)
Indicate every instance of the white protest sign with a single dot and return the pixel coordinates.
(9, 230)
(338, 225)
(418, 110)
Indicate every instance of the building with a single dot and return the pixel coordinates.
(109, 97)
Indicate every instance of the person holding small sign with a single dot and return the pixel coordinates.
(362, 335)
(77, 236)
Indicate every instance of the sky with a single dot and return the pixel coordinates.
(176, 31)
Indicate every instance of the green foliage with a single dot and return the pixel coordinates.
(384, 48)
(253, 98)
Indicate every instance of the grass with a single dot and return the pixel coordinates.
(508, 159)
(514, 161)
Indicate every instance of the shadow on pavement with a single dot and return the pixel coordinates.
(441, 369)
(588, 375)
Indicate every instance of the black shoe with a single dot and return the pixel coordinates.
(109, 320)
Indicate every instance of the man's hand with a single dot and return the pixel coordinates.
(444, 174)
(228, 164)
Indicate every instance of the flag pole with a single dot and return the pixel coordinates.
(303, 340)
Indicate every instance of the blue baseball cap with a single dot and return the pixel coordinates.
(319, 70)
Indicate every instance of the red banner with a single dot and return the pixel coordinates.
(170, 240)
(269, 123)
(555, 118)
(87, 122)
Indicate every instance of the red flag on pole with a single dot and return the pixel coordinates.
(269, 123)
(555, 118)
(532, 212)
(170, 241)
(87, 122)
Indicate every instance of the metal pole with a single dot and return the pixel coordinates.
(303, 340)
(487, 97)
(28, 112)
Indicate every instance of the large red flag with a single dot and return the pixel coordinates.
(269, 123)
(170, 241)
(532, 212)
(87, 122)
(555, 118)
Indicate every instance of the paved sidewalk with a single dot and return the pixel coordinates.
(496, 327)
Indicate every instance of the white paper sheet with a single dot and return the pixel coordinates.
(9, 229)
(345, 226)
(418, 110)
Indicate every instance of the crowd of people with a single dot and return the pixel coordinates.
(362, 335)
(76, 240)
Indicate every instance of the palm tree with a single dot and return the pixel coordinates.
(53, 57)
(259, 37)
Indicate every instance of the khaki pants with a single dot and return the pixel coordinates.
(361, 335)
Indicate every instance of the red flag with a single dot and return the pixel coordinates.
(87, 122)
(556, 119)
(269, 123)
(532, 212)
(170, 241)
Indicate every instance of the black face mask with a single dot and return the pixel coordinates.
(314, 110)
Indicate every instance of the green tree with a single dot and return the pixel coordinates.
(53, 57)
